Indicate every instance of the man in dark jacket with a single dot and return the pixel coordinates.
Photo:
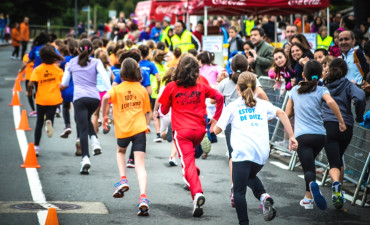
(262, 58)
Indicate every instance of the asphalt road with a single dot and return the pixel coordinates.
(169, 202)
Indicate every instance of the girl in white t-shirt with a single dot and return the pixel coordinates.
(249, 118)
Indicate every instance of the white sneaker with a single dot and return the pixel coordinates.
(198, 203)
(268, 209)
(13, 57)
(95, 145)
(172, 161)
(306, 205)
(66, 132)
(37, 150)
(85, 165)
(49, 128)
(158, 140)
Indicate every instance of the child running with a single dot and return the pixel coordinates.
(131, 107)
(249, 118)
(305, 103)
(186, 98)
(344, 93)
(48, 76)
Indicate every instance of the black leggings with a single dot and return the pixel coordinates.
(309, 146)
(31, 97)
(47, 111)
(66, 115)
(245, 174)
(24, 48)
(336, 143)
(15, 51)
(84, 108)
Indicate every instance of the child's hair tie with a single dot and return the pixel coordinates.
(238, 71)
(86, 47)
(314, 77)
(249, 85)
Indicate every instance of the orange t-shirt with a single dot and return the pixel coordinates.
(48, 78)
(113, 59)
(16, 37)
(130, 104)
(25, 32)
(173, 62)
(29, 67)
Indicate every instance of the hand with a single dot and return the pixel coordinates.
(147, 129)
(292, 81)
(213, 124)
(293, 144)
(105, 122)
(287, 48)
(221, 76)
(365, 86)
(254, 53)
(304, 60)
(29, 93)
(342, 127)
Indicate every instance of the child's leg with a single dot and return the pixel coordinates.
(121, 157)
(95, 118)
(139, 148)
(173, 151)
(185, 141)
(66, 114)
(241, 173)
(50, 113)
(254, 182)
(39, 123)
(30, 98)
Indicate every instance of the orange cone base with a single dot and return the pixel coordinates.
(26, 166)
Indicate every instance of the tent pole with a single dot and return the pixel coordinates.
(187, 21)
(276, 26)
(328, 20)
(205, 21)
(291, 18)
(303, 24)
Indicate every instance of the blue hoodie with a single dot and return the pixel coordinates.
(344, 92)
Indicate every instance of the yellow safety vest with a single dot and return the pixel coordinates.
(184, 43)
(249, 24)
(165, 35)
(325, 44)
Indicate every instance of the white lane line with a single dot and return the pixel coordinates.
(280, 165)
(32, 174)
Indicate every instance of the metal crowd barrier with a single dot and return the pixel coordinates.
(356, 157)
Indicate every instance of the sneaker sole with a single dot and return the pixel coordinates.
(143, 210)
(172, 163)
(270, 212)
(49, 128)
(198, 211)
(66, 134)
(317, 196)
(97, 151)
(337, 199)
(85, 169)
(119, 193)
(78, 151)
(130, 166)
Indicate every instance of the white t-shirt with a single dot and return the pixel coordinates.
(249, 129)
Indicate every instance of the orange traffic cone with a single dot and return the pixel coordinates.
(52, 218)
(15, 100)
(17, 85)
(31, 160)
(20, 76)
(23, 123)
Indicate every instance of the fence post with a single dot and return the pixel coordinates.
(358, 187)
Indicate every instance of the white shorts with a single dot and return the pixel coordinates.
(165, 122)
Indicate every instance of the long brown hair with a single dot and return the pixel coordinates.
(312, 72)
(247, 85)
(239, 64)
(187, 71)
(85, 48)
(277, 69)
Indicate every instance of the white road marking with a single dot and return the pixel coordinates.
(280, 165)
(32, 174)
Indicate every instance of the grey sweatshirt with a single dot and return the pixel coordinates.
(344, 92)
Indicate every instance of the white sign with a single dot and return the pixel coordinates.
(112, 13)
(212, 43)
(312, 39)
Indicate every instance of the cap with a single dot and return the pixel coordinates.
(166, 18)
(132, 15)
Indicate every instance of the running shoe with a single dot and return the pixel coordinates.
(232, 196)
(143, 207)
(57, 113)
(95, 145)
(337, 195)
(85, 165)
(49, 128)
(306, 203)
(318, 198)
(268, 209)
(32, 114)
(158, 140)
(172, 161)
(66, 132)
(78, 151)
(169, 133)
(106, 131)
(37, 150)
(198, 203)
(121, 187)
(130, 163)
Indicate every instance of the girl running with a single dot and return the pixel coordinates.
(186, 98)
(305, 103)
(85, 97)
(251, 149)
(48, 96)
(28, 71)
(131, 107)
(344, 93)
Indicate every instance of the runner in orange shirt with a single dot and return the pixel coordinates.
(49, 77)
(16, 41)
(25, 35)
(28, 71)
(131, 107)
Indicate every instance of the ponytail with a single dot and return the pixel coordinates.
(239, 64)
(312, 71)
(85, 48)
(247, 85)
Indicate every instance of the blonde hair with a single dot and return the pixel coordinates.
(247, 85)
(103, 56)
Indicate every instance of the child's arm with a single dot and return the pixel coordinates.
(261, 94)
(335, 109)
(105, 109)
(156, 107)
(219, 106)
(30, 87)
(217, 130)
(289, 108)
(293, 144)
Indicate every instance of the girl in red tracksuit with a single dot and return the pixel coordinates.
(186, 98)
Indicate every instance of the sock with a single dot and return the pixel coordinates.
(143, 196)
(336, 185)
(158, 135)
(263, 196)
(123, 178)
(93, 138)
